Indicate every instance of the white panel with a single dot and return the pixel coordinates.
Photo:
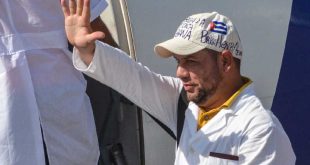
(108, 17)
(262, 26)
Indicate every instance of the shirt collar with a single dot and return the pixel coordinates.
(232, 98)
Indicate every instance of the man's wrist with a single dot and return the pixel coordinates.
(86, 54)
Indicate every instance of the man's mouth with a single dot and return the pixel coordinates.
(189, 87)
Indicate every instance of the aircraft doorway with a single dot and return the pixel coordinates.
(117, 119)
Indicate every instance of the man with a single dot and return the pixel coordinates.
(38, 121)
(225, 122)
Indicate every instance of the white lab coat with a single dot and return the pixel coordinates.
(245, 129)
(40, 89)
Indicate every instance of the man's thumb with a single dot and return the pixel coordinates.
(95, 36)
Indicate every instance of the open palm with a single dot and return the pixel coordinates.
(77, 24)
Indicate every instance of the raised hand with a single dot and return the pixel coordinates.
(77, 25)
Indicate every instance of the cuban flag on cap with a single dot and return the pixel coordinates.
(218, 27)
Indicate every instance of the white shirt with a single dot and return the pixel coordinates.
(41, 90)
(245, 130)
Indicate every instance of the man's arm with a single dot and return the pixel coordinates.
(115, 69)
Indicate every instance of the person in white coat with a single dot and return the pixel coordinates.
(225, 122)
(43, 99)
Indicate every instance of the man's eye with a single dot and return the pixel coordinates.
(191, 62)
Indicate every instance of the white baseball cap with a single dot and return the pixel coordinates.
(205, 30)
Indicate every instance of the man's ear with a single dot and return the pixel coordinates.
(226, 60)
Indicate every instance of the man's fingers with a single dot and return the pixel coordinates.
(86, 9)
(72, 6)
(64, 7)
(79, 9)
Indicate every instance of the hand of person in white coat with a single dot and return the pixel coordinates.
(78, 28)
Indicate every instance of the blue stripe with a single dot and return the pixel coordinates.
(221, 27)
(221, 23)
(291, 101)
(218, 31)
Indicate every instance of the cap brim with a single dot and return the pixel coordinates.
(177, 46)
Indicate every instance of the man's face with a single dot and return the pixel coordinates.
(200, 75)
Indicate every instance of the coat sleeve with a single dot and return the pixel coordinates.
(153, 92)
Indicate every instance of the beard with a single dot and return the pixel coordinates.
(203, 93)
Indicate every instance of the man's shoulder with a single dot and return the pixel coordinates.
(248, 102)
(250, 110)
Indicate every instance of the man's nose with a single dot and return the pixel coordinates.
(182, 72)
